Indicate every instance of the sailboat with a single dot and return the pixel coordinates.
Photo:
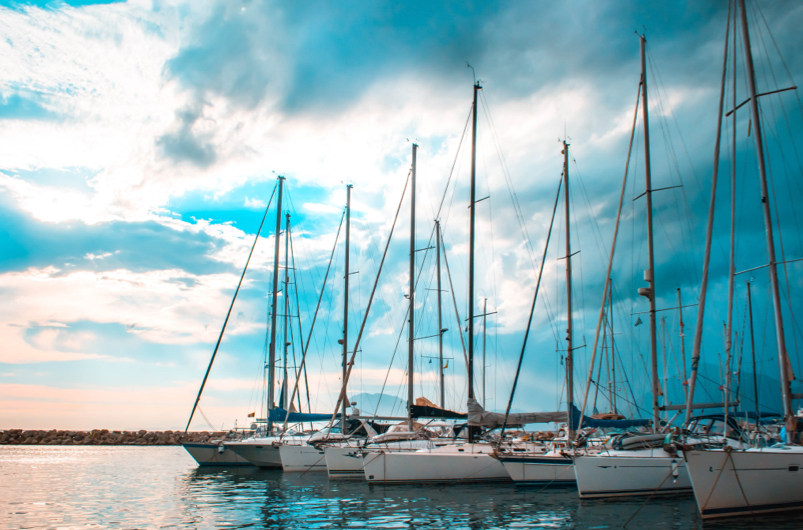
(469, 461)
(640, 465)
(264, 451)
(728, 481)
(309, 455)
(345, 460)
(216, 452)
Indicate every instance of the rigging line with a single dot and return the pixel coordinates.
(783, 251)
(454, 299)
(312, 325)
(672, 160)
(610, 259)
(300, 331)
(532, 310)
(517, 207)
(780, 99)
(206, 419)
(368, 307)
(791, 79)
(669, 145)
(220, 338)
(698, 332)
(511, 190)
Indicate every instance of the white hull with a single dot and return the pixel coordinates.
(259, 452)
(454, 463)
(547, 469)
(346, 462)
(746, 482)
(302, 458)
(210, 454)
(627, 473)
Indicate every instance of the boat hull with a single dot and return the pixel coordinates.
(210, 454)
(540, 470)
(302, 458)
(440, 465)
(264, 455)
(344, 463)
(628, 473)
(733, 483)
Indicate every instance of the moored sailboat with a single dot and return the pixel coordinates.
(728, 481)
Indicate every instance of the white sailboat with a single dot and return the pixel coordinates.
(731, 482)
(649, 470)
(217, 452)
(471, 461)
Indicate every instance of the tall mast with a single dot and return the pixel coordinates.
(709, 235)
(484, 364)
(440, 313)
(649, 274)
(732, 262)
(569, 342)
(472, 204)
(345, 404)
(612, 352)
(783, 358)
(274, 295)
(411, 325)
(286, 296)
(682, 345)
(753, 348)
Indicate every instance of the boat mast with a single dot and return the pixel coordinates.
(440, 314)
(345, 403)
(472, 203)
(484, 365)
(783, 358)
(709, 235)
(569, 342)
(682, 346)
(286, 296)
(272, 349)
(649, 274)
(411, 323)
(612, 352)
(753, 349)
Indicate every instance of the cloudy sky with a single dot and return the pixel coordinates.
(141, 142)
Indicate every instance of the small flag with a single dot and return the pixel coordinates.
(445, 366)
(639, 322)
(252, 415)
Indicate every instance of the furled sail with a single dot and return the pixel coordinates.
(278, 415)
(424, 408)
(479, 417)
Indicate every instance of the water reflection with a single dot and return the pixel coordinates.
(150, 487)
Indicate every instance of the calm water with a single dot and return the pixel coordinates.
(161, 487)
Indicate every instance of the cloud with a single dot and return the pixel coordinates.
(258, 204)
(184, 144)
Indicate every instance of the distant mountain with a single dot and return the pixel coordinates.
(388, 405)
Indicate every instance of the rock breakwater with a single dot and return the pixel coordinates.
(107, 437)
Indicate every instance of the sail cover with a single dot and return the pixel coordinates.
(424, 408)
(278, 415)
(479, 417)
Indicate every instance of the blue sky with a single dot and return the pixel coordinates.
(141, 143)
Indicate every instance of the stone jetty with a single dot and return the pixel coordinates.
(107, 437)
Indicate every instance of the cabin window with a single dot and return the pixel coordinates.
(717, 427)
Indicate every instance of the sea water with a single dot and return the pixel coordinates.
(162, 487)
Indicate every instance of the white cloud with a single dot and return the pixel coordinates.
(254, 203)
